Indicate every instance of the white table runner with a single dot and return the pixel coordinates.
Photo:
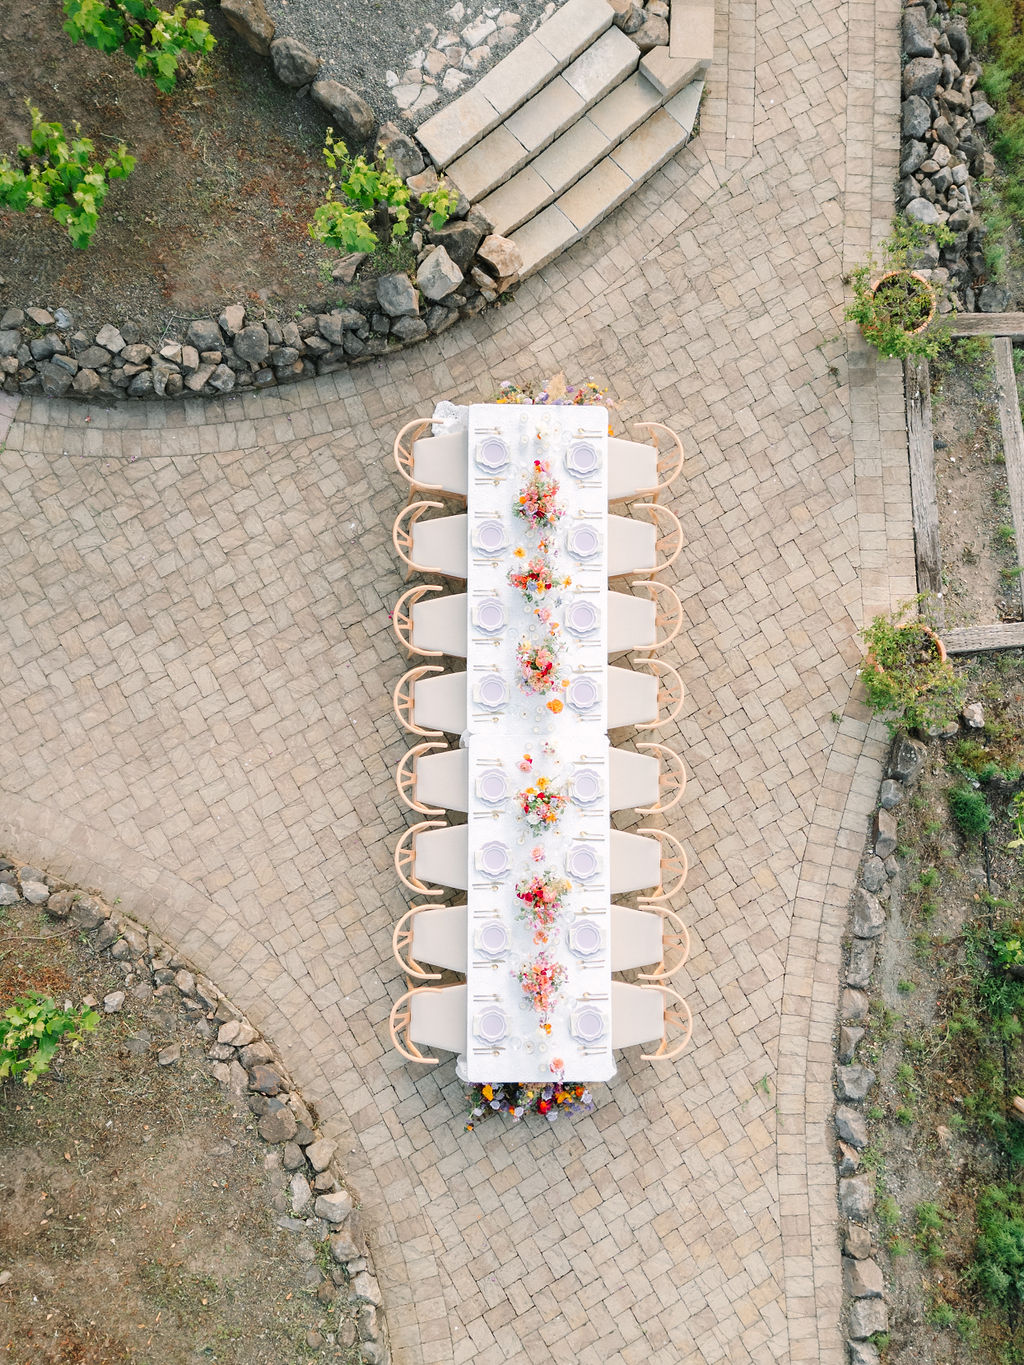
(548, 747)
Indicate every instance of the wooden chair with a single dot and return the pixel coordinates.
(649, 696)
(639, 780)
(671, 779)
(674, 863)
(642, 1013)
(434, 1015)
(406, 775)
(435, 933)
(405, 858)
(432, 464)
(643, 546)
(640, 937)
(444, 778)
(634, 623)
(435, 546)
(638, 470)
(440, 625)
(439, 702)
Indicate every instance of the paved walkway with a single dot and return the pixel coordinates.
(195, 675)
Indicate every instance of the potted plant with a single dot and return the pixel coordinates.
(895, 304)
(909, 680)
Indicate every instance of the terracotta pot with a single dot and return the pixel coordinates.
(871, 662)
(927, 285)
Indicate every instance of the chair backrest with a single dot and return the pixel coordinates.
(637, 1017)
(435, 934)
(677, 1015)
(670, 692)
(670, 455)
(405, 778)
(405, 858)
(401, 534)
(404, 699)
(675, 942)
(402, 943)
(401, 619)
(669, 614)
(671, 778)
(674, 863)
(404, 443)
(435, 1015)
(669, 531)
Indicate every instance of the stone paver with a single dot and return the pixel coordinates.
(195, 674)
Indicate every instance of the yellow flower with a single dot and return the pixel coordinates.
(520, 553)
(487, 1093)
(567, 583)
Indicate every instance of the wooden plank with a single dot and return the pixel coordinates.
(978, 639)
(984, 325)
(917, 389)
(1013, 442)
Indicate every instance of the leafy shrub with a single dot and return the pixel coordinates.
(998, 1267)
(153, 38)
(31, 1031)
(891, 310)
(374, 209)
(970, 810)
(53, 174)
(906, 681)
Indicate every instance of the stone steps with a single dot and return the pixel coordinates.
(572, 215)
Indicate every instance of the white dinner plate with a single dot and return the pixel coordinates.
(582, 459)
(585, 938)
(581, 617)
(490, 537)
(491, 1025)
(583, 542)
(492, 454)
(583, 693)
(492, 786)
(492, 691)
(492, 938)
(489, 615)
(586, 787)
(588, 1024)
(493, 859)
(581, 863)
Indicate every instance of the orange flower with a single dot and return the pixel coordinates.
(487, 1093)
(546, 1028)
(519, 552)
(555, 706)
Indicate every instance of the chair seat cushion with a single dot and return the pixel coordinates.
(439, 937)
(439, 703)
(632, 698)
(443, 779)
(440, 623)
(442, 462)
(437, 1018)
(631, 546)
(632, 469)
(635, 862)
(634, 779)
(638, 1014)
(636, 938)
(440, 544)
(442, 857)
(630, 622)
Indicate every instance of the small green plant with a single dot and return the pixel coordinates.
(998, 1266)
(894, 311)
(899, 1246)
(906, 987)
(930, 1221)
(153, 38)
(31, 1031)
(929, 877)
(908, 681)
(970, 810)
(940, 1314)
(1005, 536)
(904, 1116)
(373, 209)
(888, 1212)
(60, 175)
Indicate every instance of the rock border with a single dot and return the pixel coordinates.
(247, 1068)
(943, 154)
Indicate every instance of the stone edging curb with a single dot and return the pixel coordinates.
(246, 1067)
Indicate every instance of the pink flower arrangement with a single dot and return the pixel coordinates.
(541, 898)
(538, 498)
(542, 980)
(537, 662)
(541, 804)
(537, 579)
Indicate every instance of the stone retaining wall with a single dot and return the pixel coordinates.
(314, 1201)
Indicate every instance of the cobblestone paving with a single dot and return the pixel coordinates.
(195, 674)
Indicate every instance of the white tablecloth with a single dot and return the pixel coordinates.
(560, 740)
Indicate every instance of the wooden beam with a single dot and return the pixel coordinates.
(1013, 443)
(978, 639)
(984, 325)
(917, 388)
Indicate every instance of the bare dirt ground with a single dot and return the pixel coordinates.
(228, 174)
(136, 1216)
(978, 554)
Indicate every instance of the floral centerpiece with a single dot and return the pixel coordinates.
(542, 981)
(541, 898)
(538, 498)
(537, 662)
(517, 1099)
(537, 579)
(554, 392)
(541, 804)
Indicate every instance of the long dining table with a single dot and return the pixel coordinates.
(538, 916)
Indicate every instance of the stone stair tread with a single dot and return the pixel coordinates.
(543, 238)
(520, 198)
(571, 156)
(669, 75)
(626, 106)
(519, 75)
(487, 163)
(465, 121)
(685, 106)
(604, 64)
(649, 146)
(691, 30)
(547, 114)
(574, 26)
(599, 191)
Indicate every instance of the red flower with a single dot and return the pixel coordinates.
(543, 1106)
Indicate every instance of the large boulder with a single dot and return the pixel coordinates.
(203, 334)
(252, 23)
(397, 296)
(460, 240)
(352, 116)
(500, 257)
(393, 143)
(906, 760)
(917, 33)
(438, 276)
(917, 117)
(294, 63)
(868, 914)
(252, 344)
(921, 76)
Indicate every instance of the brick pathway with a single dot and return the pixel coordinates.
(195, 676)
